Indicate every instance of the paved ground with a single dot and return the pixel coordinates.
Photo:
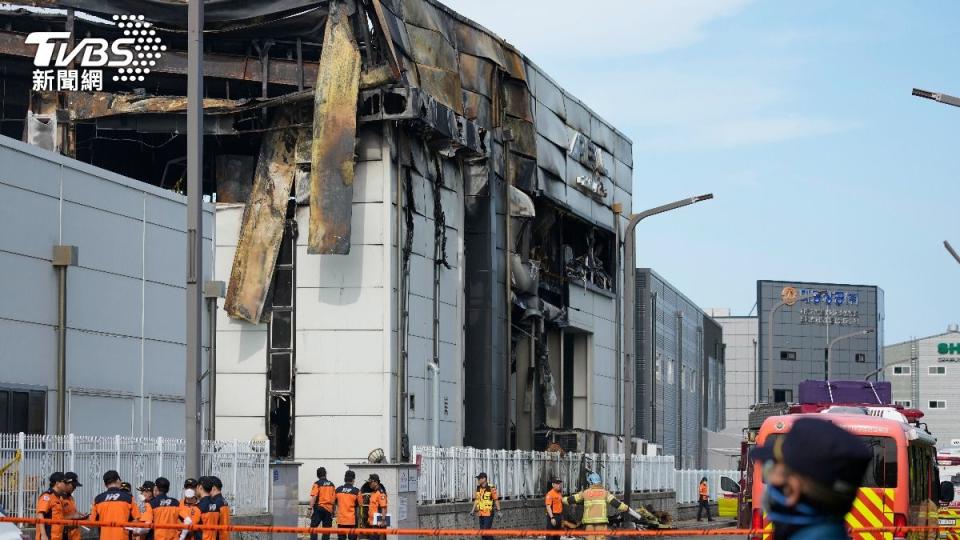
(714, 525)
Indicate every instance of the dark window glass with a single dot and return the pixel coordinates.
(788, 355)
(782, 396)
(861, 357)
(280, 372)
(5, 412)
(281, 330)
(37, 407)
(882, 471)
(283, 287)
(19, 408)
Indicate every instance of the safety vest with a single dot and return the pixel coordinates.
(704, 491)
(594, 506)
(484, 497)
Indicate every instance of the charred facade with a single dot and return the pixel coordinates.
(402, 197)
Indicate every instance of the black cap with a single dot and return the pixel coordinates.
(190, 483)
(556, 480)
(481, 475)
(125, 486)
(373, 477)
(72, 478)
(147, 486)
(821, 451)
(56, 477)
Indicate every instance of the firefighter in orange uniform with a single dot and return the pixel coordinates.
(71, 482)
(114, 506)
(377, 509)
(322, 496)
(703, 499)
(554, 502)
(189, 511)
(347, 505)
(213, 508)
(163, 510)
(50, 506)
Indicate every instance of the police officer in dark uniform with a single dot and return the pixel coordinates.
(812, 476)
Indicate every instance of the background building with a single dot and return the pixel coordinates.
(680, 371)
(923, 373)
(819, 313)
(741, 348)
(125, 337)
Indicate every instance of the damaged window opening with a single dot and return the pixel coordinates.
(569, 249)
(281, 356)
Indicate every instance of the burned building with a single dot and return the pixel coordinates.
(418, 226)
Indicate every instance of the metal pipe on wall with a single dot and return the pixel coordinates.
(508, 291)
(401, 390)
(435, 366)
(212, 290)
(63, 256)
(618, 331)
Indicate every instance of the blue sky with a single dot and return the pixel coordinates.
(797, 115)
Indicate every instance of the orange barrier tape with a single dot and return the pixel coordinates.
(898, 531)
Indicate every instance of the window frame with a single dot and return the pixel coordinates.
(788, 356)
(930, 404)
(936, 371)
(860, 358)
(34, 422)
(905, 403)
(902, 370)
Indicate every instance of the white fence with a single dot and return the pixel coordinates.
(688, 483)
(448, 474)
(28, 460)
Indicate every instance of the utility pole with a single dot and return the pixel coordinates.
(629, 319)
(194, 235)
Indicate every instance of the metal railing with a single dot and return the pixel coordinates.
(688, 483)
(448, 474)
(28, 460)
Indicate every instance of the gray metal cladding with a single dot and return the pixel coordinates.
(671, 336)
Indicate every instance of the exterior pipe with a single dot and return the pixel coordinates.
(62, 351)
(618, 331)
(434, 368)
(401, 402)
(63, 256)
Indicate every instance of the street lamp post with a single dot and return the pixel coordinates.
(194, 304)
(952, 252)
(839, 338)
(629, 287)
(947, 100)
(937, 96)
